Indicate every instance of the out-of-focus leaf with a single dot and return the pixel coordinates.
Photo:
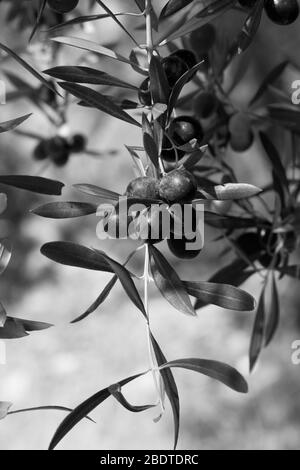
(79, 74)
(214, 369)
(223, 295)
(292, 270)
(268, 80)
(83, 410)
(204, 16)
(228, 222)
(257, 338)
(100, 299)
(65, 210)
(168, 282)
(38, 18)
(13, 123)
(285, 116)
(272, 309)
(170, 387)
(93, 190)
(92, 47)
(3, 315)
(98, 101)
(172, 7)
(250, 27)
(35, 184)
(4, 408)
(71, 254)
(5, 254)
(28, 67)
(275, 160)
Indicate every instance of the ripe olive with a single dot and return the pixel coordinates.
(40, 152)
(174, 68)
(58, 150)
(183, 129)
(282, 12)
(179, 248)
(144, 187)
(187, 56)
(178, 185)
(78, 143)
(62, 6)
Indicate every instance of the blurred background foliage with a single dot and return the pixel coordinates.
(67, 363)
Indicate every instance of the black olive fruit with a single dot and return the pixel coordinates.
(249, 243)
(174, 68)
(58, 150)
(183, 129)
(41, 151)
(177, 185)
(205, 105)
(179, 248)
(144, 93)
(203, 39)
(187, 56)
(144, 187)
(241, 134)
(62, 6)
(78, 143)
(282, 12)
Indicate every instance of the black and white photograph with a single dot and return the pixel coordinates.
(149, 228)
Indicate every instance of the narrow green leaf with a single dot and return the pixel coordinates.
(214, 369)
(272, 309)
(83, 410)
(71, 254)
(35, 184)
(168, 282)
(223, 295)
(65, 210)
(172, 7)
(13, 123)
(98, 101)
(170, 387)
(79, 74)
(257, 338)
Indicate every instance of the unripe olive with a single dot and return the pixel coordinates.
(144, 187)
(178, 185)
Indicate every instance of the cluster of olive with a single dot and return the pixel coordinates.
(177, 186)
(282, 12)
(265, 245)
(58, 149)
(62, 6)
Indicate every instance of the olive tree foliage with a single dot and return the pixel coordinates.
(184, 109)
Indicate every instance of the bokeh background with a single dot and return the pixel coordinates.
(67, 363)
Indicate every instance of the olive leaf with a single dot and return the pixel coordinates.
(257, 337)
(169, 283)
(65, 210)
